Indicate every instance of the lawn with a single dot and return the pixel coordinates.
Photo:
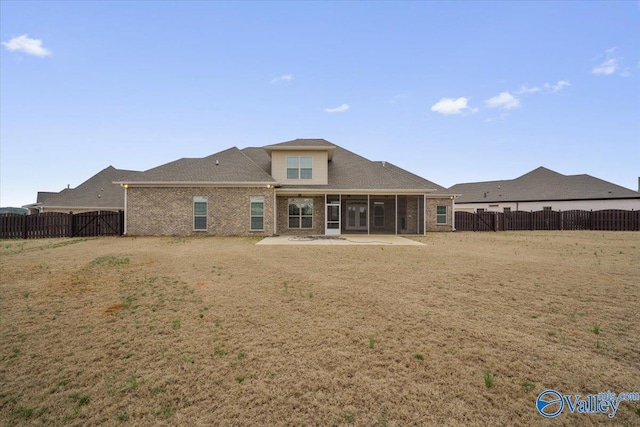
(466, 330)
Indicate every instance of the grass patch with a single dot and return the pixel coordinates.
(419, 356)
(80, 400)
(596, 329)
(527, 385)
(111, 260)
(348, 417)
(489, 378)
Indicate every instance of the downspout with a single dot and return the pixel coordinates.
(453, 214)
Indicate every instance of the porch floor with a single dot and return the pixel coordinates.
(343, 239)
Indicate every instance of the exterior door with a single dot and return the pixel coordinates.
(356, 216)
(332, 227)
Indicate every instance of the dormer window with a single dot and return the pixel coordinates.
(299, 167)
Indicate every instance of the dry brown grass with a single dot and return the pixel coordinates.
(218, 331)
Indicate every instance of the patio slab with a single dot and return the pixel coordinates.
(344, 239)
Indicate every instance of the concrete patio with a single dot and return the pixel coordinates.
(345, 239)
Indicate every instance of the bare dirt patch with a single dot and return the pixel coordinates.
(218, 331)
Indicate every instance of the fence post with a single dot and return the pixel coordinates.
(70, 226)
(121, 216)
(531, 220)
(591, 220)
(24, 226)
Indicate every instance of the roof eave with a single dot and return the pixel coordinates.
(329, 148)
(196, 184)
(358, 191)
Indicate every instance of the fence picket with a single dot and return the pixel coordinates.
(606, 220)
(54, 224)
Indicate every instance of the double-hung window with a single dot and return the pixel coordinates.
(199, 213)
(300, 167)
(257, 213)
(441, 215)
(300, 213)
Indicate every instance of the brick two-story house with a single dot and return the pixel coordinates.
(304, 186)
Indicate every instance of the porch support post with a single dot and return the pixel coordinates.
(396, 214)
(368, 214)
(418, 214)
(424, 213)
(275, 213)
(124, 227)
(326, 211)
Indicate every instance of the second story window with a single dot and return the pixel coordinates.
(299, 167)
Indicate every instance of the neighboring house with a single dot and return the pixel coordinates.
(98, 193)
(304, 186)
(543, 189)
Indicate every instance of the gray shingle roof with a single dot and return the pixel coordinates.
(541, 184)
(228, 166)
(347, 170)
(97, 192)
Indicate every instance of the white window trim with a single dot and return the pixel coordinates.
(205, 200)
(300, 216)
(251, 216)
(299, 168)
(445, 214)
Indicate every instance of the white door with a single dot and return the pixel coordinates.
(356, 216)
(332, 214)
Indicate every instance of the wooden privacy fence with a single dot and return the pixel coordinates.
(608, 220)
(53, 224)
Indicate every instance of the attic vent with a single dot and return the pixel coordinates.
(217, 163)
(384, 163)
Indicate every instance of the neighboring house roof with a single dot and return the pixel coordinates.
(97, 192)
(230, 166)
(346, 170)
(539, 185)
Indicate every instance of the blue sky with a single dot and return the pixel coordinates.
(453, 91)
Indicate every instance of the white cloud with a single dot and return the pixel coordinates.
(286, 78)
(397, 98)
(505, 101)
(452, 106)
(607, 68)
(27, 45)
(610, 64)
(525, 89)
(558, 86)
(340, 109)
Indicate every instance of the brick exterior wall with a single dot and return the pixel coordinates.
(318, 216)
(432, 204)
(169, 211)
